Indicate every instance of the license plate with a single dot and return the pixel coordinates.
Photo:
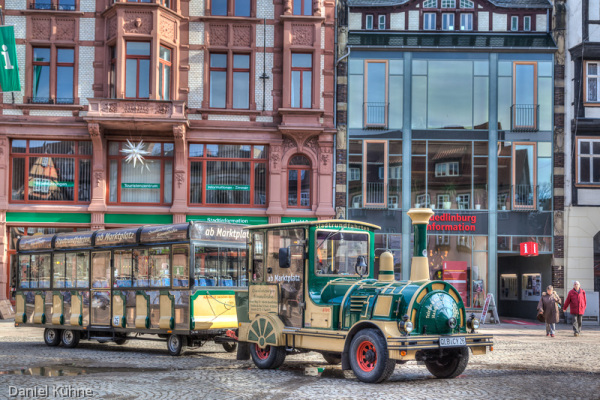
(457, 341)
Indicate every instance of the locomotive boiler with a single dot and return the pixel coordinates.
(312, 288)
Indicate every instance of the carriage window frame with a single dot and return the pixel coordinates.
(75, 280)
(332, 232)
(30, 269)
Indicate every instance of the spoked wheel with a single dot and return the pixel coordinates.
(51, 337)
(229, 347)
(70, 339)
(332, 358)
(270, 357)
(450, 365)
(369, 357)
(175, 344)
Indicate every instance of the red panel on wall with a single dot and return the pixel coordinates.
(529, 249)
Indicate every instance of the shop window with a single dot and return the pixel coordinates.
(524, 175)
(369, 22)
(137, 70)
(429, 21)
(525, 108)
(223, 91)
(381, 25)
(150, 182)
(592, 89)
(50, 170)
(238, 8)
(514, 23)
(466, 22)
(527, 23)
(376, 96)
(588, 161)
(301, 87)
(302, 7)
(228, 175)
(53, 75)
(447, 21)
(164, 73)
(299, 175)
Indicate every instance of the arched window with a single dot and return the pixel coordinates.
(299, 182)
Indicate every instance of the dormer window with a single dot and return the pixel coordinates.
(430, 4)
(467, 4)
(527, 23)
(448, 3)
(369, 22)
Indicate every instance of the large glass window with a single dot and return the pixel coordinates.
(150, 181)
(447, 21)
(588, 161)
(338, 252)
(221, 89)
(123, 268)
(137, 70)
(301, 87)
(299, 175)
(71, 270)
(241, 81)
(438, 100)
(429, 21)
(34, 271)
(181, 274)
(228, 174)
(65, 67)
(466, 22)
(164, 73)
(376, 93)
(449, 175)
(50, 170)
(524, 170)
(525, 96)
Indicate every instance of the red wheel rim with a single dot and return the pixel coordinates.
(366, 355)
(262, 354)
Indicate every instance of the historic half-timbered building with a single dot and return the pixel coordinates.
(450, 104)
(230, 104)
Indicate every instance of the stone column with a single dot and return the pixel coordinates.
(275, 210)
(180, 187)
(325, 177)
(99, 173)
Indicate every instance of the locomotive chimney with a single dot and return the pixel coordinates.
(419, 269)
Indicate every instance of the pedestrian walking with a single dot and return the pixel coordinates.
(577, 300)
(548, 306)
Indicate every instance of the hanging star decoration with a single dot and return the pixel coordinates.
(135, 153)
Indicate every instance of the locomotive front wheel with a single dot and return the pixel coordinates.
(175, 344)
(369, 357)
(229, 347)
(70, 339)
(450, 365)
(270, 357)
(332, 358)
(51, 337)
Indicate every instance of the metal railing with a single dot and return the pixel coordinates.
(375, 193)
(376, 114)
(524, 117)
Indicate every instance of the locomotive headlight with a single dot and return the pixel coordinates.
(473, 323)
(405, 325)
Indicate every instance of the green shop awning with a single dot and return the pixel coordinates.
(538, 42)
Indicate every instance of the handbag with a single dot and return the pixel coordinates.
(540, 316)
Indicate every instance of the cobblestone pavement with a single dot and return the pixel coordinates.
(525, 364)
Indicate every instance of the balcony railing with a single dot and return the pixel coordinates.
(524, 195)
(375, 193)
(524, 117)
(376, 114)
(48, 5)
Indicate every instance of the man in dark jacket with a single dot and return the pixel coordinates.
(576, 298)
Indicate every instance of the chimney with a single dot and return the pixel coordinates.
(419, 268)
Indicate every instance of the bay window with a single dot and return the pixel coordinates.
(147, 182)
(137, 70)
(588, 161)
(228, 174)
(591, 88)
(164, 73)
(50, 170)
(301, 87)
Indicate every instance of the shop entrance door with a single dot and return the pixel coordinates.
(100, 302)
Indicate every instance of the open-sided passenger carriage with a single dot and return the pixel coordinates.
(313, 288)
(178, 282)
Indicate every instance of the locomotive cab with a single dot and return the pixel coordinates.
(312, 287)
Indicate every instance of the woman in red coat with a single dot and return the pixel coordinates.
(576, 298)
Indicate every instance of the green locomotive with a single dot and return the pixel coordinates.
(312, 288)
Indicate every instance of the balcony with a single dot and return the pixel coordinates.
(375, 115)
(50, 100)
(67, 5)
(153, 115)
(524, 117)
